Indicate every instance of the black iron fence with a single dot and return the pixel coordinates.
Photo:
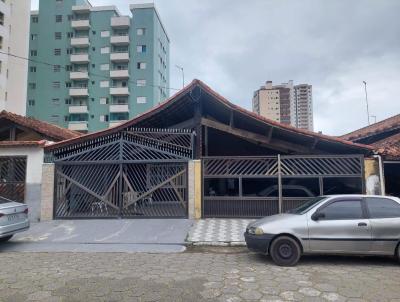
(12, 177)
(262, 186)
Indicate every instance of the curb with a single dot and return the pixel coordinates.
(216, 243)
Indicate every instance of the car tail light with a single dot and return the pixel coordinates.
(26, 211)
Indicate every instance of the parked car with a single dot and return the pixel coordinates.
(336, 224)
(13, 218)
(287, 190)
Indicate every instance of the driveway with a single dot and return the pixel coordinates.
(139, 235)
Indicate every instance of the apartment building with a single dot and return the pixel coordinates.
(14, 42)
(285, 103)
(104, 67)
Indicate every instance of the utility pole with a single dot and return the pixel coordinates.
(183, 75)
(366, 100)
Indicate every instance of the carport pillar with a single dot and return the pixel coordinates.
(373, 176)
(194, 189)
(47, 203)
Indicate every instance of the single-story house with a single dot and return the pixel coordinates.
(198, 155)
(384, 136)
(22, 142)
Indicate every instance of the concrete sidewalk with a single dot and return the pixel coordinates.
(134, 235)
(218, 232)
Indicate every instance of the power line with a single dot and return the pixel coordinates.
(89, 72)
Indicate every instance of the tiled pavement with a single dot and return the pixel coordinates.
(218, 232)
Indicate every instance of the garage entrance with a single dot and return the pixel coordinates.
(141, 173)
(261, 186)
(12, 177)
(392, 178)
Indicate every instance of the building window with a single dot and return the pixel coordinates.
(104, 84)
(32, 69)
(103, 101)
(69, 51)
(56, 68)
(141, 65)
(103, 118)
(105, 50)
(32, 85)
(1, 18)
(141, 48)
(68, 101)
(57, 52)
(57, 35)
(105, 67)
(141, 100)
(31, 102)
(68, 84)
(141, 83)
(55, 102)
(35, 19)
(70, 17)
(70, 34)
(34, 37)
(105, 34)
(68, 67)
(58, 18)
(93, 32)
(141, 31)
(33, 53)
(56, 84)
(54, 119)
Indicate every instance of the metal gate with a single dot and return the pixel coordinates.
(259, 186)
(141, 173)
(12, 177)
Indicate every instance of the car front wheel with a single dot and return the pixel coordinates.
(4, 239)
(285, 251)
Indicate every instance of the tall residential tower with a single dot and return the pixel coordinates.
(94, 68)
(285, 103)
(14, 42)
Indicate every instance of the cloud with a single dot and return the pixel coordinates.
(235, 46)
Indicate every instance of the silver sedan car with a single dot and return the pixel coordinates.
(13, 218)
(339, 224)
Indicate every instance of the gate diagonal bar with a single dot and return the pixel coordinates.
(248, 173)
(136, 173)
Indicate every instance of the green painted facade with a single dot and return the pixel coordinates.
(52, 79)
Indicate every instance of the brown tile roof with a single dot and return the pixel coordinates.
(389, 147)
(51, 131)
(219, 98)
(382, 126)
(9, 144)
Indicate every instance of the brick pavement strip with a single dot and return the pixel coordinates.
(224, 274)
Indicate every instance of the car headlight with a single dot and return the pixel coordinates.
(255, 231)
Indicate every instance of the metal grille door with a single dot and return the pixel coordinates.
(12, 178)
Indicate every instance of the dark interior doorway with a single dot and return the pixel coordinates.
(392, 178)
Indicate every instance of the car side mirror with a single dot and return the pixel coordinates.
(317, 216)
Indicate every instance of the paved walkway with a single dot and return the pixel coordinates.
(218, 232)
(193, 276)
(117, 235)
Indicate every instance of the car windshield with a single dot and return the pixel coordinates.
(305, 207)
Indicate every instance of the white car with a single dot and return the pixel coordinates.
(13, 218)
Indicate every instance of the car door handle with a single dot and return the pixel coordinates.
(362, 224)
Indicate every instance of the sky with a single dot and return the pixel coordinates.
(235, 46)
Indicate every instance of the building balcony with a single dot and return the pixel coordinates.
(81, 9)
(119, 108)
(120, 22)
(115, 123)
(78, 91)
(119, 74)
(78, 126)
(79, 75)
(80, 42)
(80, 58)
(80, 24)
(119, 56)
(119, 91)
(78, 109)
(119, 40)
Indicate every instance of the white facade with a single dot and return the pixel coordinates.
(304, 107)
(14, 39)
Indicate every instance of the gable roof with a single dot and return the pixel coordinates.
(218, 98)
(386, 125)
(50, 131)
